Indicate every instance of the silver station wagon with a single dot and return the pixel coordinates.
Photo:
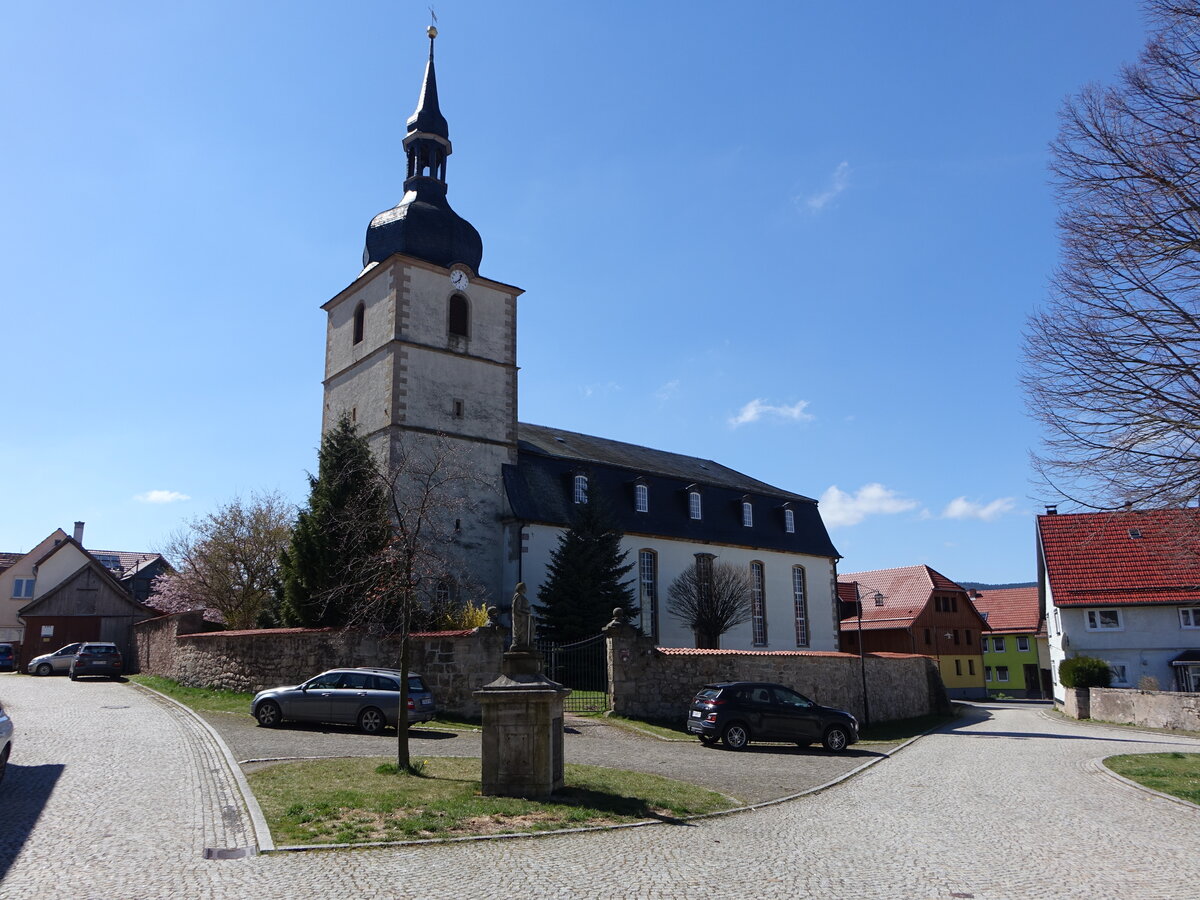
(366, 697)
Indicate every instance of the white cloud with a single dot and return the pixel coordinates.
(840, 508)
(757, 409)
(161, 497)
(838, 182)
(668, 390)
(962, 508)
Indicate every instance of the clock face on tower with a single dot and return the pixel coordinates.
(458, 278)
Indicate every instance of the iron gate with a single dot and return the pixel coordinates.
(583, 667)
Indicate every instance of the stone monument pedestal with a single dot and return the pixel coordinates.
(522, 729)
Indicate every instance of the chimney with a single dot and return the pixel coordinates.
(78, 533)
(1052, 509)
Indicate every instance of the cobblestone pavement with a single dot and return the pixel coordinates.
(758, 774)
(1008, 804)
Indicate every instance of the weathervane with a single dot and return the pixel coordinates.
(432, 30)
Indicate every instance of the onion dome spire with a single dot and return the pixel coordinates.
(422, 224)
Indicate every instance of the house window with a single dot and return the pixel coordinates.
(1002, 673)
(641, 498)
(987, 673)
(581, 488)
(970, 667)
(758, 605)
(1023, 644)
(1119, 675)
(998, 644)
(360, 317)
(928, 637)
(956, 637)
(789, 521)
(983, 644)
(23, 588)
(1104, 620)
(648, 590)
(958, 667)
(747, 514)
(694, 504)
(801, 605)
(967, 635)
(1189, 617)
(953, 604)
(460, 316)
(441, 594)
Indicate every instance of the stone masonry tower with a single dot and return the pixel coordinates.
(421, 349)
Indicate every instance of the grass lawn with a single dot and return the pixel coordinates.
(213, 700)
(1177, 774)
(332, 801)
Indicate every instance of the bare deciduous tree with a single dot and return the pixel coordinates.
(228, 559)
(1113, 363)
(420, 577)
(710, 597)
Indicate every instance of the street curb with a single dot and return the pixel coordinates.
(262, 834)
(1097, 766)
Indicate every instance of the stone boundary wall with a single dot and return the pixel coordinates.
(453, 663)
(659, 683)
(1152, 709)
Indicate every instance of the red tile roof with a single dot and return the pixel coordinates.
(1010, 610)
(696, 651)
(1122, 558)
(8, 560)
(906, 592)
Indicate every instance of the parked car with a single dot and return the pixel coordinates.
(8, 658)
(6, 733)
(54, 663)
(363, 696)
(739, 712)
(97, 658)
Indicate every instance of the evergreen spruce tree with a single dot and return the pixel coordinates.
(585, 579)
(346, 524)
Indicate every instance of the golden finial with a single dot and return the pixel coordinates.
(431, 31)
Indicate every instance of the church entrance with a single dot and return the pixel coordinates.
(583, 667)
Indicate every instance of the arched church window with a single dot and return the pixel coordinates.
(460, 316)
(360, 317)
(581, 489)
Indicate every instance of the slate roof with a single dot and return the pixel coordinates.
(540, 489)
(1122, 558)
(906, 592)
(1010, 610)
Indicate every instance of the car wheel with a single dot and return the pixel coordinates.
(3, 761)
(836, 739)
(736, 736)
(269, 714)
(371, 721)
(43, 669)
(708, 739)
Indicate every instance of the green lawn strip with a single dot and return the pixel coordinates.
(199, 699)
(1177, 774)
(334, 801)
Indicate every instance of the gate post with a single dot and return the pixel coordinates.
(621, 640)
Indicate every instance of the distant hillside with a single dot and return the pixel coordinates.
(980, 586)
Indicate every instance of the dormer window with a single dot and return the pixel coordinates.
(747, 514)
(581, 489)
(360, 318)
(694, 508)
(789, 521)
(641, 497)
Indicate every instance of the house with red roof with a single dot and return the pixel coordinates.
(915, 609)
(1016, 656)
(1124, 586)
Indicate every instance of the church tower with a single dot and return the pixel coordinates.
(421, 349)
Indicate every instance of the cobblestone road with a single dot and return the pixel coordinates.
(111, 794)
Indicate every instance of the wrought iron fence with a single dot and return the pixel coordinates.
(583, 668)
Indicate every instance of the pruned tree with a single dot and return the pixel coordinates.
(346, 522)
(1112, 364)
(585, 579)
(418, 578)
(711, 597)
(228, 560)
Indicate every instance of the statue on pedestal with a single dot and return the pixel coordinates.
(522, 621)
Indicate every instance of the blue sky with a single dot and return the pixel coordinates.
(798, 238)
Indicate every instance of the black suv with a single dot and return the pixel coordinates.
(97, 658)
(738, 712)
